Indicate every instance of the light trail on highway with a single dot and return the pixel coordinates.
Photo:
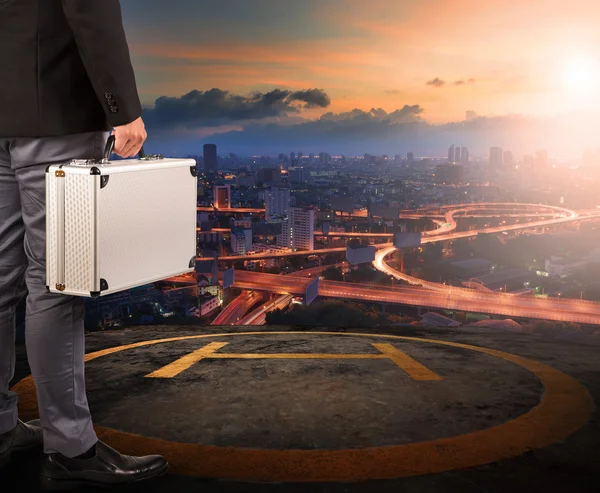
(259, 316)
(441, 234)
(435, 295)
(564, 310)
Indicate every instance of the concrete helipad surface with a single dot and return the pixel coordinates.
(289, 409)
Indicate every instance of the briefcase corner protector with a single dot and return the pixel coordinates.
(103, 287)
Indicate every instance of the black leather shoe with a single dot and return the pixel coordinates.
(107, 468)
(24, 437)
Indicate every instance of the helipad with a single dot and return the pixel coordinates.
(297, 406)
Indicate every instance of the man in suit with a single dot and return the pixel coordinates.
(67, 81)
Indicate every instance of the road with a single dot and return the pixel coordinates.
(435, 295)
(235, 310)
(259, 316)
(566, 310)
(441, 234)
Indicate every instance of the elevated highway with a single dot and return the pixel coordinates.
(565, 310)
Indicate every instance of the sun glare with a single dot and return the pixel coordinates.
(582, 74)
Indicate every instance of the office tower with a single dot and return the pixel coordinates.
(292, 156)
(509, 160)
(268, 176)
(324, 158)
(299, 229)
(311, 157)
(496, 158)
(300, 155)
(296, 175)
(214, 278)
(464, 155)
(457, 155)
(410, 157)
(222, 196)
(277, 201)
(210, 160)
(451, 154)
(241, 240)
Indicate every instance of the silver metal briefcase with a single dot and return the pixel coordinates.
(111, 226)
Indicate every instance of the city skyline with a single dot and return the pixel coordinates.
(390, 77)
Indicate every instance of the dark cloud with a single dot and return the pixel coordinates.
(378, 132)
(462, 82)
(217, 107)
(437, 82)
(314, 98)
(273, 122)
(407, 114)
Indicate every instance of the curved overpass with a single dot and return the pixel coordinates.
(440, 234)
(565, 310)
(380, 264)
(435, 295)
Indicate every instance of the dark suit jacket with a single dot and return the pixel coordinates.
(64, 68)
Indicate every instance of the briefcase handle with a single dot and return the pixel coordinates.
(110, 145)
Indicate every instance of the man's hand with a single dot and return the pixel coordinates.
(129, 138)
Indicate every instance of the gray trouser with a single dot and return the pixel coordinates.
(54, 331)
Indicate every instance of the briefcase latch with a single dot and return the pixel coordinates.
(151, 157)
(82, 162)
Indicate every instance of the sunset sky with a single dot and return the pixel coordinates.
(277, 74)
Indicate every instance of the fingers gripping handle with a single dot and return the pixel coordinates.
(110, 145)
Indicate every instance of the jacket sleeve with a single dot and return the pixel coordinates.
(97, 26)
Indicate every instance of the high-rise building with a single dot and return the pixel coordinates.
(268, 176)
(241, 240)
(496, 158)
(464, 155)
(211, 165)
(222, 196)
(324, 158)
(457, 155)
(297, 175)
(451, 153)
(508, 160)
(298, 230)
(277, 201)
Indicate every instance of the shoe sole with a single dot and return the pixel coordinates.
(51, 484)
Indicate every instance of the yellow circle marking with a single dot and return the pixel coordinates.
(565, 406)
